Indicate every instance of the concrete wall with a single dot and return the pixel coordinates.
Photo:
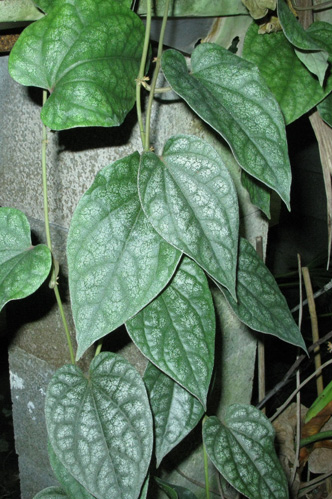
(74, 157)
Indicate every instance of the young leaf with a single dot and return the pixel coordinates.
(145, 488)
(189, 197)
(174, 491)
(19, 10)
(117, 262)
(325, 110)
(176, 331)
(242, 450)
(70, 485)
(259, 8)
(311, 53)
(295, 88)
(175, 411)
(260, 305)
(100, 426)
(23, 267)
(230, 95)
(87, 54)
(51, 493)
(258, 192)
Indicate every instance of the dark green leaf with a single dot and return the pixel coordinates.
(230, 95)
(117, 262)
(325, 109)
(87, 54)
(174, 491)
(100, 426)
(295, 88)
(70, 485)
(258, 192)
(176, 331)
(23, 267)
(189, 198)
(260, 305)
(175, 411)
(311, 53)
(167, 488)
(321, 33)
(242, 451)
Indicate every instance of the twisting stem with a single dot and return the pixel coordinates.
(318, 6)
(140, 77)
(206, 467)
(154, 77)
(48, 239)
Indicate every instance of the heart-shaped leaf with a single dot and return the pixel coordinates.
(175, 411)
(87, 54)
(260, 305)
(70, 485)
(100, 426)
(311, 53)
(189, 198)
(117, 262)
(23, 267)
(230, 95)
(295, 88)
(176, 331)
(242, 450)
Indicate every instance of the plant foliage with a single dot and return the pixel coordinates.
(153, 229)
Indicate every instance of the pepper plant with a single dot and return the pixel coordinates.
(157, 229)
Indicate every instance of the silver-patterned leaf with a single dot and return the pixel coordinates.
(23, 267)
(189, 197)
(230, 95)
(117, 261)
(87, 54)
(100, 426)
(260, 304)
(242, 450)
(176, 331)
(175, 411)
(70, 485)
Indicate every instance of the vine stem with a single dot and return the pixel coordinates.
(206, 466)
(48, 239)
(155, 76)
(140, 76)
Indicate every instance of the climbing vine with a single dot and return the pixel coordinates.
(154, 232)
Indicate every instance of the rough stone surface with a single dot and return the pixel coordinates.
(29, 377)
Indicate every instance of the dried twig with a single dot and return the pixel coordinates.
(287, 378)
(309, 378)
